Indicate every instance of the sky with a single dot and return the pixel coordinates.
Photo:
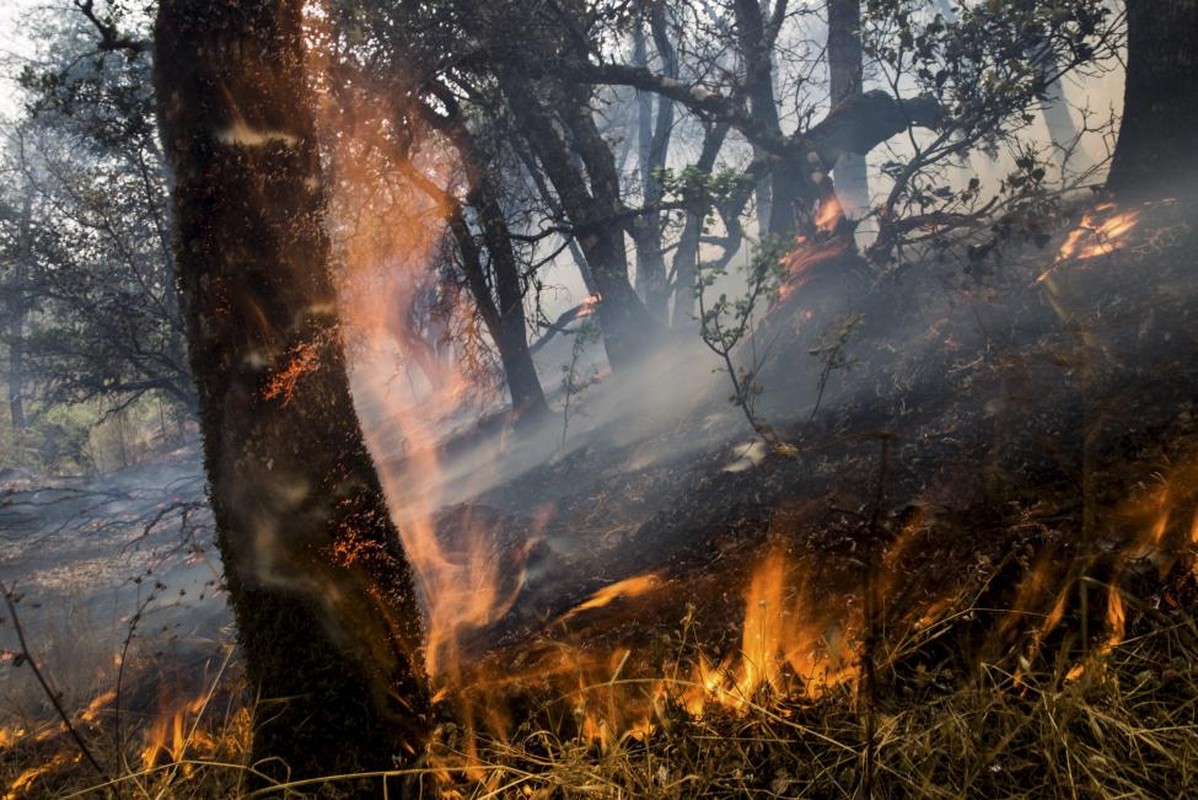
(14, 44)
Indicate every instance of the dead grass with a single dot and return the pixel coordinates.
(1116, 722)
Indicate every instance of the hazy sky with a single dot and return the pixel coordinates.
(14, 46)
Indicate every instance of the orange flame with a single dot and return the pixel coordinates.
(25, 780)
(829, 213)
(170, 736)
(781, 650)
(589, 306)
(630, 587)
(1101, 232)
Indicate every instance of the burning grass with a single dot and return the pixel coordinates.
(959, 701)
(975, 578)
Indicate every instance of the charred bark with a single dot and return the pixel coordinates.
(498, 292)
(1155, 153)
(653, 143)
(845, 83)
(327, 615)
(590, 200)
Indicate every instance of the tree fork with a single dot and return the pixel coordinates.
(327, 616)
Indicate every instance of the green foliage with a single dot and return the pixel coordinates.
(727, 321)
(989, 66)
(702, 192)
(86, 273)
(574, 380)
(831, 350)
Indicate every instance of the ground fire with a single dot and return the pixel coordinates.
(786, 499)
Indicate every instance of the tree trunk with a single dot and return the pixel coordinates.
(845, 82)
(1155, 154)
(629, 331)
(504, 319)
(20, 310)
(653, 144)
(686, 255)
(775, 193)
(326, 612)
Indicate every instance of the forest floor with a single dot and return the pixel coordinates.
(965, 568)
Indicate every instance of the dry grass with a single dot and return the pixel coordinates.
(1120, 722)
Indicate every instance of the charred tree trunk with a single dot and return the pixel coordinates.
(845, 83)
(1155, 154)
(592, 202)
(653, 143)
(776, 192)
(326, 611)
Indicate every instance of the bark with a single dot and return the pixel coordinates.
(686, 255)
(845, 83)
(500, 299)
(590, 199)
(20, 310)
(327, 615)
(653, 139)
(1155, 153)
(504, 320)
(775, 192)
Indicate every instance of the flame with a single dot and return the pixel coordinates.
(396, 184)
(98, 703)
(799, 262)
(630, 587)
(1101, 232)
(25, 780)
(169, 734)
(589, 306)
(830, 212)
(782, 650)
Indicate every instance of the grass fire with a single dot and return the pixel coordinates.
(646, 400)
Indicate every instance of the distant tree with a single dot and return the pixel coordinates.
(96, 284)
(1155, 153)
(326, 610)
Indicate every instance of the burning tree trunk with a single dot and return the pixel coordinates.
(1156, 153)
(326, 613)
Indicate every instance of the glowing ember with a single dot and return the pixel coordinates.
(301, 361)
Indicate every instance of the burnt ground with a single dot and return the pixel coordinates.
(105, 568)
(990, 442)
(985, 428)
